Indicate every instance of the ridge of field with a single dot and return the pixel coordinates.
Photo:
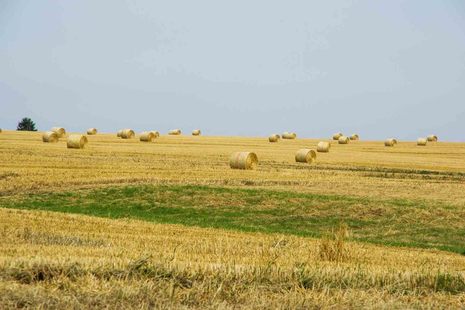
(382, 221)
(363, 169)
(76, 261)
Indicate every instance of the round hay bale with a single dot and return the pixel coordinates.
(432, 138)
(422, 141)
(343, 140)
(50, 137)
(175, 132)
(196, 132)
(305, 156)
(76, 141)
(119, 133)
(354, 137)
(336, 136)
(156, 133)
(323, 147)
(0, 130)
(61, 132)
(274, 138)
(243, 160)
(127, 134)
(92, 131)
(147, 136)
(289, 135)
(390, 142)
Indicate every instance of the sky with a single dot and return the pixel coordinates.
(251, 68)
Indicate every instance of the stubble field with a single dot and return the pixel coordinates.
(123, 223)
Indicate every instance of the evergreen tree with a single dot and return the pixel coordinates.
(26, 124)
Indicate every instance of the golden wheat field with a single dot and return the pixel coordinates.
(64, 260)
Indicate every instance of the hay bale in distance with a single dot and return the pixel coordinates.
(289, 135)
(432, 138)
(343, 140)
(92, 131)
(305, 156)
(0, 130)
(147, 136)
(243, 160)
(274, 138)
(156, 133)
(119, 133)
(50, 137)
(127, 133)
(76, 141)
(390, 142)
(61, 132)
(336, 136)
(196, 132)
(323, 147)
(354, 137)
(175, 132)
(422, 141)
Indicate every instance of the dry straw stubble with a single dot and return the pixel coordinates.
(76, 141)
(243, 160)
(305, 156)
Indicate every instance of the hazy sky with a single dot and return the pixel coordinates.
(378, 68)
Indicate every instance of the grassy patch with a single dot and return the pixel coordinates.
(389, 222)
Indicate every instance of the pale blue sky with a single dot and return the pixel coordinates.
(379, 68)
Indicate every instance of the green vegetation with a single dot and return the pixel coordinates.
(26, 124)
(389, 222)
